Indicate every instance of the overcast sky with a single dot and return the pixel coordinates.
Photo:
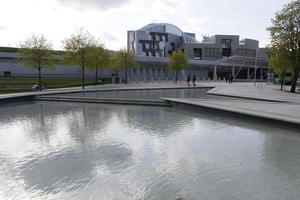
(109, 20)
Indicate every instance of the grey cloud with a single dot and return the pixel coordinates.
(98, 4)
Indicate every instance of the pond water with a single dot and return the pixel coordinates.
(90, 151)
(197, 93)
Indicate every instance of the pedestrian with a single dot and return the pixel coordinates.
(188, 80)
(229, 78)
(194, 80)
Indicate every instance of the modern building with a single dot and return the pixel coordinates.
(214, 57)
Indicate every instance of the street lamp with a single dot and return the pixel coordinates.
(255, 68)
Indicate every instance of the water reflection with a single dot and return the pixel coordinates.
(149, 94)
(89, 151)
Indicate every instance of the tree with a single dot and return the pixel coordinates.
(124, 60)
(76, 50)
(98, 58)
(178, 62)
(278, 62)
(36, 52)
(285, 30)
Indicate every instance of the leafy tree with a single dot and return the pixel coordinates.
(36, 52)
(124, 60)
(178, 62)
(278, 62)
(285, 37)
(98, 58)
(76, 48)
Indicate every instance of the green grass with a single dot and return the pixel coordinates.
(8, 87)
(46, 82)
(65, 82)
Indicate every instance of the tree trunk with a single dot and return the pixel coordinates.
(82, 65)
(96, 75)
(126, 75)
(282, 80)
(294, 80)
(176, 77)
(40, 78)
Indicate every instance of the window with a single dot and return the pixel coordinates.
(226, 43)
(212, 52)
(132, 40)
(173, 46)
(7, 74)
(197, 53)
(246, 52)
(226, 47)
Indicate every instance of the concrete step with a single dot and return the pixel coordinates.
(104, 100)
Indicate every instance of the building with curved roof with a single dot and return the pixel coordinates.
(214, 57)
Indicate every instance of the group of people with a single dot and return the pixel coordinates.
(193, 80)
(229, 79)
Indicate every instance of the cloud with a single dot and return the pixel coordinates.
(90, 4)
(2, 28)
(108, 36)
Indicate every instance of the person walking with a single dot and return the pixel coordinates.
(194, 80)
(188, 80)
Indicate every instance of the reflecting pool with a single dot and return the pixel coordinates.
(90, 151)
(197, 93)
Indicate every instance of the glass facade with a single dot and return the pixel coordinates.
(212, 52)
(132, 41)
(226, 47)
(155, 44)
(246, 52)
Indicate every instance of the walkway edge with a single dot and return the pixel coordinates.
(217, 93)
(255, 114)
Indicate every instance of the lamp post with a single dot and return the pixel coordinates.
(255, 68)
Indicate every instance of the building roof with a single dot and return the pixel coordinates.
(163, 27)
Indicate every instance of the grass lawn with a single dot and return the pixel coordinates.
(7, 87)
(7, 83)
(65, 82)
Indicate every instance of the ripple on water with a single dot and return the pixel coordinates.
(90, 151)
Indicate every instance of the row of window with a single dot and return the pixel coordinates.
(147, 72)
(217, 52)
(212, 52)
(162, 37)
(246, 52)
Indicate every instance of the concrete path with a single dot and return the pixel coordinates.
(260, 92)
(285, 112)
(242, 90)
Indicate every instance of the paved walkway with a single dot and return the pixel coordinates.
(260, 92)
(243, 90)
(279, 111)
